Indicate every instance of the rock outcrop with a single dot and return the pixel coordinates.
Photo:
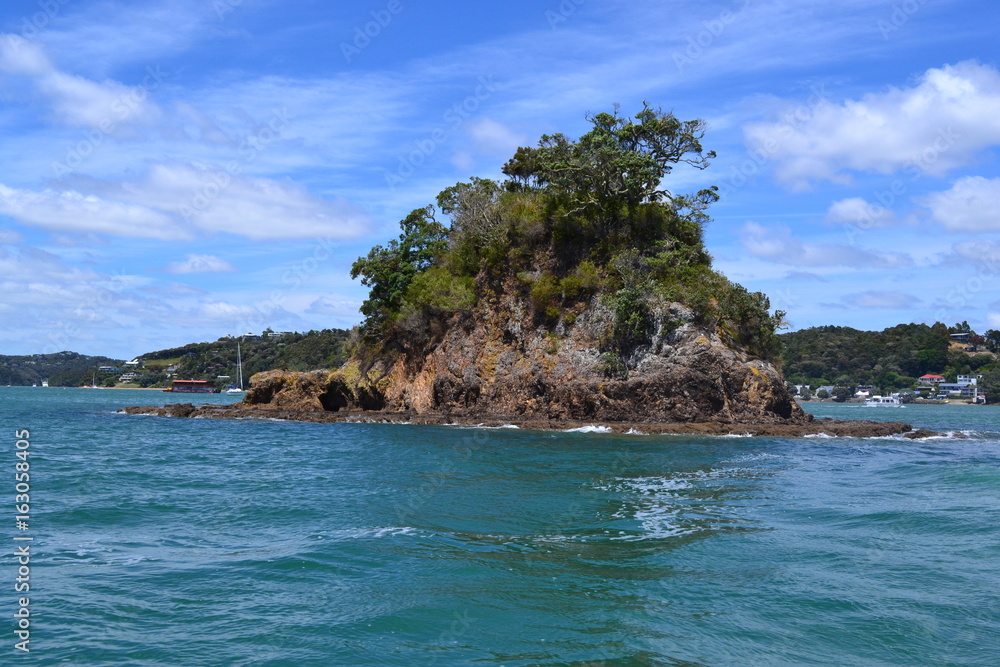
(497, 363)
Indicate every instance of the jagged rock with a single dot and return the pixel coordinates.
(499, 364)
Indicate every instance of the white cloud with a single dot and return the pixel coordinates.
(857, 211)
(971, 205)
(932, 127)
(173, 202)
(993, 320)
(213, 200)
(200, 264)
(329, 306)
(72, 211)
(879, 299)
(75, 100)
(19, 56)
(494, 138)
(805, 275)
(9, 236)
(972, 253)
(777, 244)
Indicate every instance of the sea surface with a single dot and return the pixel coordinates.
(161, 541)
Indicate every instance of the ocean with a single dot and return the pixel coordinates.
(158, 541)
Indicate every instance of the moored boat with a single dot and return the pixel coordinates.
(891, 401)
(191, 387)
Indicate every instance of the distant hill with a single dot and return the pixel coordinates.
(208, 361)
(195, 361)
(891, 359)
(62, 369)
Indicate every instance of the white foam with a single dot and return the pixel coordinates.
(658, 522)
(375, 531)
(589, 429)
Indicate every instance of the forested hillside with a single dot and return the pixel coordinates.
(195, 361)
(890, 359)
(207, 361)
(61, 369)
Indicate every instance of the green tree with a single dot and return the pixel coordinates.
(390, 270)
(620, 162)
(990, 386)
(822, 393)
(992, 337)
(841, 394)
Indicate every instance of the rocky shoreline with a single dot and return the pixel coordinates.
(828, 427)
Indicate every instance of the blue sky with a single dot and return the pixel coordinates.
(179, 170)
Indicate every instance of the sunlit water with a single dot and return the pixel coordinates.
(208, 542)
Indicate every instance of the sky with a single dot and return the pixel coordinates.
(175, 171)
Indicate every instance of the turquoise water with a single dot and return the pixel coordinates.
(202, 542)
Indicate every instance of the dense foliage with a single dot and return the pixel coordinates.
(892, 359)
(62, 369)
(576, 220)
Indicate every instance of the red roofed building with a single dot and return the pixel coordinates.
(930, 379)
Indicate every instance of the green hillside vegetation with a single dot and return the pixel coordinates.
(574, 221)
(891, 359)
(195, 361)
(206, 361)
(61, 369)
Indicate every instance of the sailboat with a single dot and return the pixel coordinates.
(234, 389)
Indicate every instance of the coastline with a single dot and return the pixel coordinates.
(817, 427)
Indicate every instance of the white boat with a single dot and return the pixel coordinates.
(237, 389)
(884, 402)
(45, 383)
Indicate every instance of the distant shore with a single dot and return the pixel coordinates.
(861, 401)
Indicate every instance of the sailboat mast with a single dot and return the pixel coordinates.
(239, 364)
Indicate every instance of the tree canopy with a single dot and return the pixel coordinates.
(574, 220)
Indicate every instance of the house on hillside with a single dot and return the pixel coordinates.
(930, 379)
(961, 337)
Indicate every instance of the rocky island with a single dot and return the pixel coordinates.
(577, 291)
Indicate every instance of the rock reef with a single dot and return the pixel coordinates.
(496, 369)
